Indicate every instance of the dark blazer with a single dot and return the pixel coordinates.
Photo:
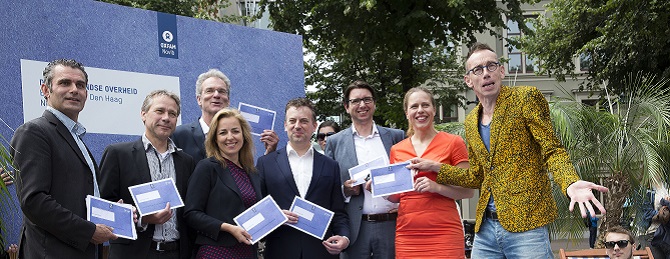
(211, 186)
(342, 149)
(125, 164)
(53, 181)
(189, 137)
(324, 189)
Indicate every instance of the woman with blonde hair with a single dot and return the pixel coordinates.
(429, 222)
(223, 186)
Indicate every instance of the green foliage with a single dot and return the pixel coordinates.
(184, 8)
(393, 45)
(456, 128)
(5, 197)
(623, 141)
(203, 9)
(620, 36)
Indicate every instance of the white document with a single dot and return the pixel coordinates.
(313, 219)
(361, 172)
(115, 215)
(391, 179)
(259, 118)
(152, 197)
(261, 219)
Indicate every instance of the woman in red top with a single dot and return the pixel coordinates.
(429, 224)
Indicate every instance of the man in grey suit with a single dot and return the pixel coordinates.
(55, 172)
(212, 91)
(372, 220)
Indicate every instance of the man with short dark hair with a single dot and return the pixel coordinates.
(372, 220)
(152, 157)
(212, 91)
(55, 172)
(298, 170)
(619, 242)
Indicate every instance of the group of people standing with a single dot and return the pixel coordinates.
(511, 147)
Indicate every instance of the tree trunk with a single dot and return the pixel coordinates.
(618, 184)
(407, 69)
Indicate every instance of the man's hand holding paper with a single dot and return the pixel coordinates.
(159, 217)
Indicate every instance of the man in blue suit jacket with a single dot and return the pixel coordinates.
(371, 220)
(298, 170)
(212, 91)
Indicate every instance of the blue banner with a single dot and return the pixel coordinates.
(167, 35)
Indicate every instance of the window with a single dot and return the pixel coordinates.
(447, 114)
(584, 62)
(590, 98)
(519, 62)
(590, 102)
(596, 103)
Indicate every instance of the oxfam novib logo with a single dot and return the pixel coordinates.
(167, 36)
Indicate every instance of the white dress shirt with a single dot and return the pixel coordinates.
(301, 167)
(367, 149)
(204, 126)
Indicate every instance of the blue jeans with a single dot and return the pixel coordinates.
(493, 241)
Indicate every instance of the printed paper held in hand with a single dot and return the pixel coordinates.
(313, 219)
(261, 219)
(391, 179)
(152, 197)
(115, 215)
(259, 118)
(361, 172)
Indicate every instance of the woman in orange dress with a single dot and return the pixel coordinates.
(429, 224)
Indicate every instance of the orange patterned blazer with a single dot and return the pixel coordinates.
(524, 149)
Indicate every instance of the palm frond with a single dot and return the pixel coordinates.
(623, 145)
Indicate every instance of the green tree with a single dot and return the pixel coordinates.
(618, 36)
(203, 9)
(393, 45)
(623, 140)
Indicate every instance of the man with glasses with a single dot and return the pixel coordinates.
(371, 220)
(619, 243)
(212, 91)
(512, 148)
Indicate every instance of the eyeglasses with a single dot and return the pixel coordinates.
(322, 136)
(478, 70)
(620, 243)
(366, 100)
(221, 91)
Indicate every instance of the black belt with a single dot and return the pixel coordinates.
(380, 217)
(164, 246)
(491, 215)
